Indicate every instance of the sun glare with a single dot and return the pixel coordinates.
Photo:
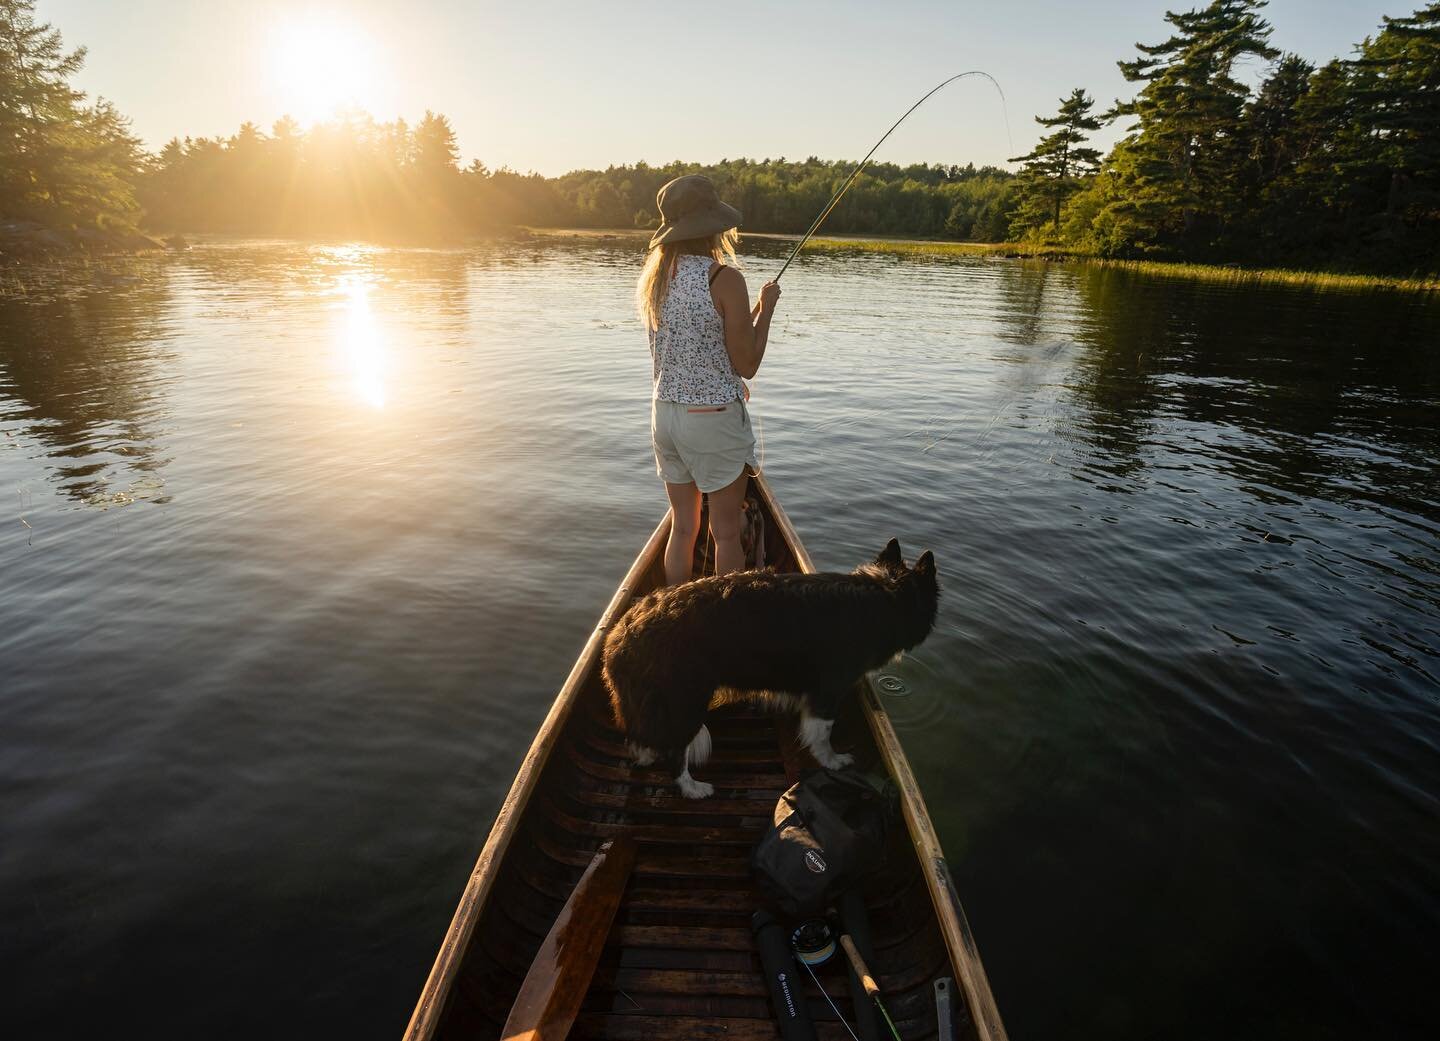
(360, 342)
(323, 65)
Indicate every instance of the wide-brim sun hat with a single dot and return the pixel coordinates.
(690, 208)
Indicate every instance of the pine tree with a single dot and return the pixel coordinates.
(1176, 174)
(435, 175)
(435, 146)
(34, 98)
(1271, 123)
(1331, 150)
(1056, 166)
(62, 162)
(1397, 90)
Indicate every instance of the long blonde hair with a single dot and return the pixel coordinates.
(654, 282)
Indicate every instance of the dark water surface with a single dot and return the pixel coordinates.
(297, 543)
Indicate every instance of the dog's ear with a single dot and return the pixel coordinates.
(890, 556)
(926, 564)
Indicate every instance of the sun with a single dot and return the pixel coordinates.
(322, 65)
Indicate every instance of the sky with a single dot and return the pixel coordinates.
(557, 85)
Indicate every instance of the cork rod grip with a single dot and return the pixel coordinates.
(861, 969)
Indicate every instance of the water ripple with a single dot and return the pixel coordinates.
(298, 541)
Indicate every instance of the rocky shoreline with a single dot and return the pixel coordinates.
(29, 240)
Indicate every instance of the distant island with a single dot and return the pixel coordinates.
(1331, 167)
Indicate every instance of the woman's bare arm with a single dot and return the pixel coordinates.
(746, 330)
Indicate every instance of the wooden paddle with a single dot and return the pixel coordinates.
(549, 999)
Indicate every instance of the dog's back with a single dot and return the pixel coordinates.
(811, 636)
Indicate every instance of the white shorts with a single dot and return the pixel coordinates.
(708, 444)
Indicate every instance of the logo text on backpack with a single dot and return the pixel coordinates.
(814, 861)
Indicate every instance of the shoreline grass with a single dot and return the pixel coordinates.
(1233, 274)
(1178, 269)
(1269, 276)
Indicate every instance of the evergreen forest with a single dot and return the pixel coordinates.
(1333, 165)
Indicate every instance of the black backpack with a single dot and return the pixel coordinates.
(829, 830)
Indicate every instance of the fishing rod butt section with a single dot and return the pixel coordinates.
(787, 997)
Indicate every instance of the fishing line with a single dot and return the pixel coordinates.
(840, 194)
(845, 187)
(826, 996)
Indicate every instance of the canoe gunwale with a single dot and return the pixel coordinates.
(431, 1006)
(964, 956)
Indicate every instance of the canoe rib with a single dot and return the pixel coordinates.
(674, 905)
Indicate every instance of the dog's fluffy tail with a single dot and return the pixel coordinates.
(698, 751)
(617, 707)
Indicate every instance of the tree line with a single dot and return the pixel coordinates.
(1338, 163)
(1332, 164)
(356, 176)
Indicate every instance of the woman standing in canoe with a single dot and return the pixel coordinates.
(704, 337)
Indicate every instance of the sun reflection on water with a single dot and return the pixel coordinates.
(362, 346)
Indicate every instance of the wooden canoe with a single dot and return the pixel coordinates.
(679, 962)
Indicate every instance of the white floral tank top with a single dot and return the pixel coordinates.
(690, 363)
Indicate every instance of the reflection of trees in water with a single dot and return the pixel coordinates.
(1032, 309)
(294, 268)
(84, 371)
(1024, 308)
(1114, 374)
(1335, 393)
(297, 270)
(85, 375)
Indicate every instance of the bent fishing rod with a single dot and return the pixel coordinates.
(840, 194)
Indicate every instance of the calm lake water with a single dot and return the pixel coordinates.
(298, 541)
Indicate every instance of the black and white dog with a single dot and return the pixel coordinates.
(791, 641)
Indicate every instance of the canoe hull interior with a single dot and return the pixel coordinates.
(679, 961)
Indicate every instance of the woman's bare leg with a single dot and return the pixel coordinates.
(725, 506)
(684, 526)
